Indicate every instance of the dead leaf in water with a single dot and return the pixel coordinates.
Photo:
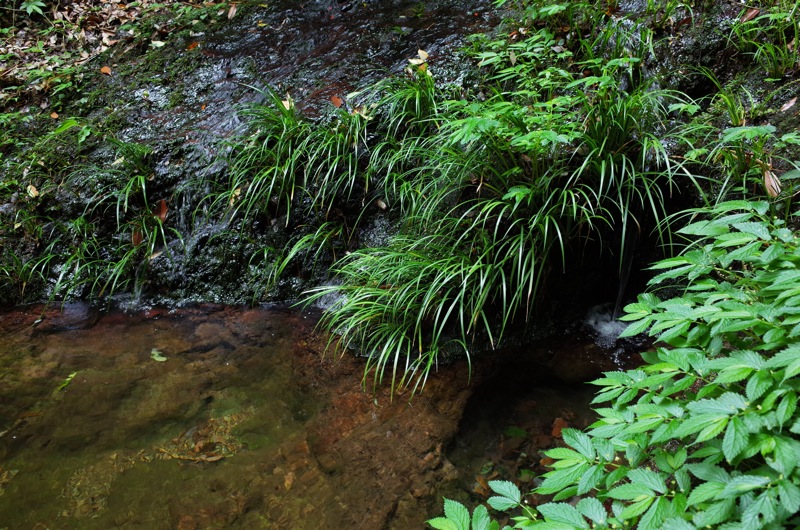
(288, 480)
(789, 104)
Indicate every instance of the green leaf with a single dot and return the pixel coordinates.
(704, 228)
(760, 230)
(507, 489)
(676, 523)
(592, 509)
(716, 425)
(736, 439)
(743, 484)
(556, 481)
(637, 508)
(653, 519)
(579, 441)
(440, 523)
(457, 513)
(631, 492)
(649, 478)
(563, 513)
(759, 383)
(590, 479)
(157, 356)
(704, 492)
(714, 514)
(480, 518)
(789, 495)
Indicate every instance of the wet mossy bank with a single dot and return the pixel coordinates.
(150, 120)
(118, 197)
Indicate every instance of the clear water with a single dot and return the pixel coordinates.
(243, 425)
(233, 418)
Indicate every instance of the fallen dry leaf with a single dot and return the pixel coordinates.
(789, 104)
(161, 210)
(750, 14)
(106, 70)
(232, 11)
(54, 115)
(32, 191)
(193, 45)
(337, 101)
(772, 183)
(559, 424)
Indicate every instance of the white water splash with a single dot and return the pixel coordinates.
(601, 320)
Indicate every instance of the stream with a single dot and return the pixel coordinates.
(224, 417)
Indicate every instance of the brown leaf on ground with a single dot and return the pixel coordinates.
(106, 70)
(750, 15)
(789, 104)
(559, 424)
(161, 210)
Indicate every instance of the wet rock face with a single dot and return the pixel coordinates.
(184, 99)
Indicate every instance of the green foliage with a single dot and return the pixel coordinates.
(33, 6)
(771, 38)
(492, 194)
(704, 434)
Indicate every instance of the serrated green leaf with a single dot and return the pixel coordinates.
(579, 441)
(654, 517)
(592, 509)
(507, 489)
(735, 440)
(564, 453)
(760, 230)
(561, 512)
(480, 518)
(501, 504)
(789, 495)
(704, 228)
(590, 479)
(457, 513)
(630, 492)
(649, 478)
(744, 483)
(637, 508)
(676, 523)
(560, 479)
(759, 383)
(440, 523)
(733, 374)
(704, 492)
(714, 514)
